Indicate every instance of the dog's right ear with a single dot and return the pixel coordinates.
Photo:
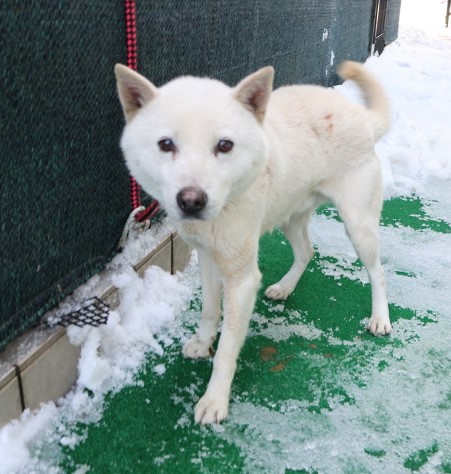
(134, 90)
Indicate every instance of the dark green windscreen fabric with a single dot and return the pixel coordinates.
(64, 187)
(230, 38)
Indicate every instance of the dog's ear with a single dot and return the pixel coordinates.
(254, 91)
(134, 90)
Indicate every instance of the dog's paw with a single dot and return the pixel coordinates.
(196, 348)
(211, 409)
(276, 292)
(379, 326)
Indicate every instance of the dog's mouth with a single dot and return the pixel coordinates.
(192, 217)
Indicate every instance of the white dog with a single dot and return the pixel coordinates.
(228, 164)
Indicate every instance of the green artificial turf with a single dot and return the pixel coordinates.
(149, 428)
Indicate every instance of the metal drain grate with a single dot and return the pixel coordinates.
(93, 313)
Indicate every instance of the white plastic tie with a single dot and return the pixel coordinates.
(132, 226)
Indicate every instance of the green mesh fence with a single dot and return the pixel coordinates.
(64, 187)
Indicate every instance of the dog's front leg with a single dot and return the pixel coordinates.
(199, 345)
(240, 289)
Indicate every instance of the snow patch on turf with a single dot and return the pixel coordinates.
(385, 424)
(278, 329)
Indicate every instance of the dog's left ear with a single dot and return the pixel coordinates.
(134, 90)
(254, 91)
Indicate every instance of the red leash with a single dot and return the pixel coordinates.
(131, 31)
(131, 34)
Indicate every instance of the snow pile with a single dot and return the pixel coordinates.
(148, 306)
(110, 357)
(415, 73)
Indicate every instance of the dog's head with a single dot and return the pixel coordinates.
(194, 144)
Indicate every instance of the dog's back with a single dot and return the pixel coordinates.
(317, 136)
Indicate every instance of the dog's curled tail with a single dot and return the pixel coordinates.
(375, 98)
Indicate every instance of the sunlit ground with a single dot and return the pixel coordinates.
(428, 15)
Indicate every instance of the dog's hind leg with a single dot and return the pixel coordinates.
(358, 199)
(199, 345)
(296, 232)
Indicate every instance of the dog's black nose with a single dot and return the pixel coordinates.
(191, 200)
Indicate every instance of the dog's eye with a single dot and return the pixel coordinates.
(166, 145)
(224, 146)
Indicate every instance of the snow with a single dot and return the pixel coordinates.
(416, 159)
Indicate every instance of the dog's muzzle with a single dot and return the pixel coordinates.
(192, 201)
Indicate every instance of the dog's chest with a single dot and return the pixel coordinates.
(198, 234)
